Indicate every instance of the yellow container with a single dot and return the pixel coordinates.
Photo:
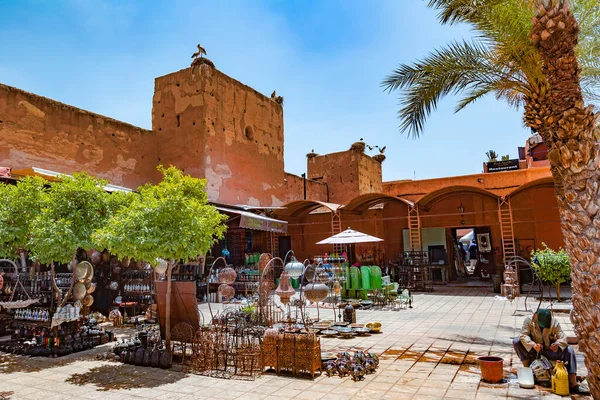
(560, 380)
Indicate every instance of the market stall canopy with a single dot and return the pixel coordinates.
(55, 177)
(249, 220)
(350, 236)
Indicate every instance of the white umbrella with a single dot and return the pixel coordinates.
(350, 236)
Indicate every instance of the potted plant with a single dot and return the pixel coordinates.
(552, 266)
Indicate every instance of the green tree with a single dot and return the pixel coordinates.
(171, 220)
(19, 206)
(71, 210)
(492, 156)
(541, 55)
(552, 266)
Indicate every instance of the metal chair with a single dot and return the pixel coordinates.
(182, 335)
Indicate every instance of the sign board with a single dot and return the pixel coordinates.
(498, 166)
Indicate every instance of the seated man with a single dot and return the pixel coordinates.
(542, 334)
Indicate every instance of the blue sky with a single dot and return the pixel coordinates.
(327, 58)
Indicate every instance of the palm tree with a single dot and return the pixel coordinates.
(543, 55)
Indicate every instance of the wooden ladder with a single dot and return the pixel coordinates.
(506, 229)
(336, 227)
(414, 228)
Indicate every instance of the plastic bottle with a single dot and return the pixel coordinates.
(560, 380)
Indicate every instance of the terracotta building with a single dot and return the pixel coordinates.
(214, 127)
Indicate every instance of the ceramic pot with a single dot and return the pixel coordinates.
(147, 357)
(166, 359)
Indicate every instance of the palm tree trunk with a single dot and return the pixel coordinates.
(569, 129)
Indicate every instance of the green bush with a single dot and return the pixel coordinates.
(552, 266)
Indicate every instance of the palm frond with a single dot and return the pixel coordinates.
(462, 66)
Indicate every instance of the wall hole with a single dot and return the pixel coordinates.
(249, 133)
(178, 121)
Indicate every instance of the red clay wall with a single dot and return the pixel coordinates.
(348, 173)
(294, 189)
(499, 183)
(214, 127)
(39, 132)
(535, 212)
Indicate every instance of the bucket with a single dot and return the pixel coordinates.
(491, 368)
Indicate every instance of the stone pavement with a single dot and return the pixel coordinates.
(428, 352)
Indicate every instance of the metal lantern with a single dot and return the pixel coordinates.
(337, 288)
(316, 292)
(161, 267)
(227, 275)
(323, 276)
(309, 273)
(227, 292)
(285, 290)
(349, 314)
(294, 268)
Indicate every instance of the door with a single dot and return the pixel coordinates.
(285, 245)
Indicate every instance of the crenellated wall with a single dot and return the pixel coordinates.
(38, 132)
(214, 127)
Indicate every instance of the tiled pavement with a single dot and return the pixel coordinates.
(428, 352)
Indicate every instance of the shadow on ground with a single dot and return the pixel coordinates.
(10, 363)
(123, 376)
(466, 360)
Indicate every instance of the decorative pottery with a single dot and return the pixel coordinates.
(294, 268)
(105, 256)
(347, 335)
(1, 282)
(342, 329)
(79, 291)
(329, 332)
(227, 276)
(96, 257)
(161, 266)
(361, 331)
(357, 325)
(316, 292)
(114, 285)
(285, 290)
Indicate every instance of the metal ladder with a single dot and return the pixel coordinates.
(336, 227)
(506, 229)
(414, 228)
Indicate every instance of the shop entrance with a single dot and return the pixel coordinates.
(473, 253)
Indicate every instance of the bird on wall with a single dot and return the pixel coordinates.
(199, 53)
(273, 95)
(381, 149)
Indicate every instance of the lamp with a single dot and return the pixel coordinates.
(285, 290)
(294, 268)
(316, 292)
